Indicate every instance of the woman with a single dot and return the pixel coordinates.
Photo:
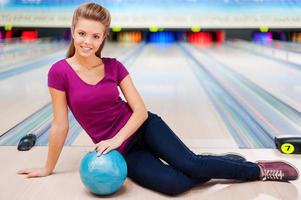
(88, 84)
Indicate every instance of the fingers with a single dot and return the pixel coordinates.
(33, 175)
(101, 147)
(96, 147)
(105, 146)
(33, 172)
(101, 150)
(107, 150)
(25, 171)
(21, 171)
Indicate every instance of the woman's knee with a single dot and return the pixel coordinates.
(165, 183)
(153, 118)
(190, 167)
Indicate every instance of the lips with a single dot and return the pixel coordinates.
(85, 49)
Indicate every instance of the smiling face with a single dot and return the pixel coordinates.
(88, 35)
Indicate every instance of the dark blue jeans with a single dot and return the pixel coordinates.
(154, 140)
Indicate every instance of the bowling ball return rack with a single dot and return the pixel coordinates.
(288, 144)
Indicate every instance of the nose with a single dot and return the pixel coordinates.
(87, 40)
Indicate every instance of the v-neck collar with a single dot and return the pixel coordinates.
(98, 82)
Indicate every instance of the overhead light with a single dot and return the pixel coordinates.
(264, 29)
(153, 29)
(8, 27)
(116, 29)
(195, 29)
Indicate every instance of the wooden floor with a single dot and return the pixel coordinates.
(170, 89)
(65, 182)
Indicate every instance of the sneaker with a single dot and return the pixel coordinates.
(277, 171)
(230, 156)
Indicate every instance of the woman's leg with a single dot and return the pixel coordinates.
(149, 171)
(166, 145)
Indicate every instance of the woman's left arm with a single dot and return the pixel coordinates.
(137, 118)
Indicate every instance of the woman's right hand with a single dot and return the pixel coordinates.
(34, 172)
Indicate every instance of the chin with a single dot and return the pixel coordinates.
(86, 55)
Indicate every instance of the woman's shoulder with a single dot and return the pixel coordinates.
(112, 63)
(58, 67)
(57, 76)
(109, 60)
(59, 63)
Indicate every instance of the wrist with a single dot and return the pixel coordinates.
(119, 138)
(48, 170)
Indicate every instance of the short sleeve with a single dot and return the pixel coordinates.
(56, 78)
(122, 72)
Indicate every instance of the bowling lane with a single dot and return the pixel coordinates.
(279, 79)
(24, 93)
(24, 52)
(273, 116)
(163, 75)
(283, 51)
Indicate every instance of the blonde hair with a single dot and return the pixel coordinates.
(91, 11)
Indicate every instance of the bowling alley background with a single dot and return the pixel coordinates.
(220, 37)
(163, 21)
(223, 74)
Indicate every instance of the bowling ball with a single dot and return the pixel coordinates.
(105, 174)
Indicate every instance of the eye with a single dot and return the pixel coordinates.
(81, 33)
(96, 36)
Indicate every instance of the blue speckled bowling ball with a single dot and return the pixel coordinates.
(105, 174)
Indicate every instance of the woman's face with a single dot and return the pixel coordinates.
(88, 36)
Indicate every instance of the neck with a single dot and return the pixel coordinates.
(87, 62)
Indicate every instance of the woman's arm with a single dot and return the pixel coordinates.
(58, 133)
(59, 127)
(137, 118)
(136, 103)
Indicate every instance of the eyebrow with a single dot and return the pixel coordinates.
(92, 33)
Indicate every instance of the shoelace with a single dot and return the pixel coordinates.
(272, 174)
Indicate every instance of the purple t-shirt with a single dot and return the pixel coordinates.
(97, 108)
